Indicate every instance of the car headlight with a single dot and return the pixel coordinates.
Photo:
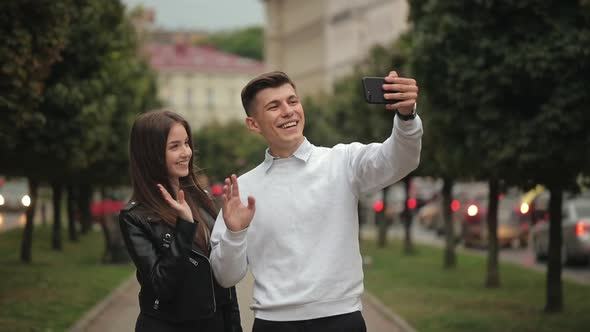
(26, 200)
(1, 200)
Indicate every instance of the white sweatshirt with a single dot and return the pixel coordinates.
(302, 245)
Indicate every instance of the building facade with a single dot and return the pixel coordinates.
(201, 83)
(318, 41)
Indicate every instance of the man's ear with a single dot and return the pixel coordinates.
(252, 124)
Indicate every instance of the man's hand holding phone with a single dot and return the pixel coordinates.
(398, 93)
(403, 92)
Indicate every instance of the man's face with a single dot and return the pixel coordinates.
(278, 116)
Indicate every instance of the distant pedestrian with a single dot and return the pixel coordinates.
(166, 227)
(301, 241)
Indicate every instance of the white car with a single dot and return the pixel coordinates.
(575, 232)
(14, 195)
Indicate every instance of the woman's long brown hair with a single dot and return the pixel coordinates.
(147, 156)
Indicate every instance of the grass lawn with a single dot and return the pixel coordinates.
(58, 287)
(431, 299)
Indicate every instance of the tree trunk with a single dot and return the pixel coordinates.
(381, 222)
(72, 229)
(493, 275)
(554, 285)
(43, 207)
(56, 198)
(84, 199)
(27, 240)
(450, 258)
(407, 219)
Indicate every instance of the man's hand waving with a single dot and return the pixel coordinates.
(237, 216)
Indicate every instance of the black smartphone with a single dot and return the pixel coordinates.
(373, 90)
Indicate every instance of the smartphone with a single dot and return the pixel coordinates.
(373, 90)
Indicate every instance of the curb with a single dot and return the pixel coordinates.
(397, 320)
(86, 320)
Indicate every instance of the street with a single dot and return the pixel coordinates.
(523, 256)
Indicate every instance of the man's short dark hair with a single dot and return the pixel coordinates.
(273, 79)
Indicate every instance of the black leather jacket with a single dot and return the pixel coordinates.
(176, 278)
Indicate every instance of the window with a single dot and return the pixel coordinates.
(210, 98)
(189, 96)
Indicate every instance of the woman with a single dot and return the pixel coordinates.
(166, 227)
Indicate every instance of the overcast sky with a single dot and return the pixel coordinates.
(204, 14)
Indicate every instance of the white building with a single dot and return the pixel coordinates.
(318, 41)
(201, 83)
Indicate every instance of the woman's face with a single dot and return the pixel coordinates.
(178, 153)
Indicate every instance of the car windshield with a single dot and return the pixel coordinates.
(582, 210)
(14, 188)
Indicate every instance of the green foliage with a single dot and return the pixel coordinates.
(246, 42)
(55, 291)
(436, 300)
(135, 91)
(82, 95)
(90, 98)
(319, 125)
(33, 35)
(507, 81)
(228, 149)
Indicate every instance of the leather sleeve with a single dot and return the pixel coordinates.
(231, 314)
(163, 269)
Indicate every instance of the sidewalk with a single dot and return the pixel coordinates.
(118, 312)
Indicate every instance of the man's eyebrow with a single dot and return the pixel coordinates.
(274, 101)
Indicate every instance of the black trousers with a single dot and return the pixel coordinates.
(146, 323)
(352, 322)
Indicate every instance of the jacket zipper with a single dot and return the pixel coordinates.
(211, 274)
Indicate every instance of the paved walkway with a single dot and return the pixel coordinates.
(118, 312)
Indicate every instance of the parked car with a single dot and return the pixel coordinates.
(575, 232)
(462, 194)
(429, 215)
(14, 195)
(512, 228)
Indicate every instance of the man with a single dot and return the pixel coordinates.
(301, 240)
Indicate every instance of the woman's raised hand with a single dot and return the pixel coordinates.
(237, 216)
(180, 205)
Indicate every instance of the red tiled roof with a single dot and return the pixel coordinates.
(172, 57)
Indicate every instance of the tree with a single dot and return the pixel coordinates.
(246, 42)
(87, 101)
(27, 53)
(508, 71)
(225, 149)
(443, 155)
(81, 98)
